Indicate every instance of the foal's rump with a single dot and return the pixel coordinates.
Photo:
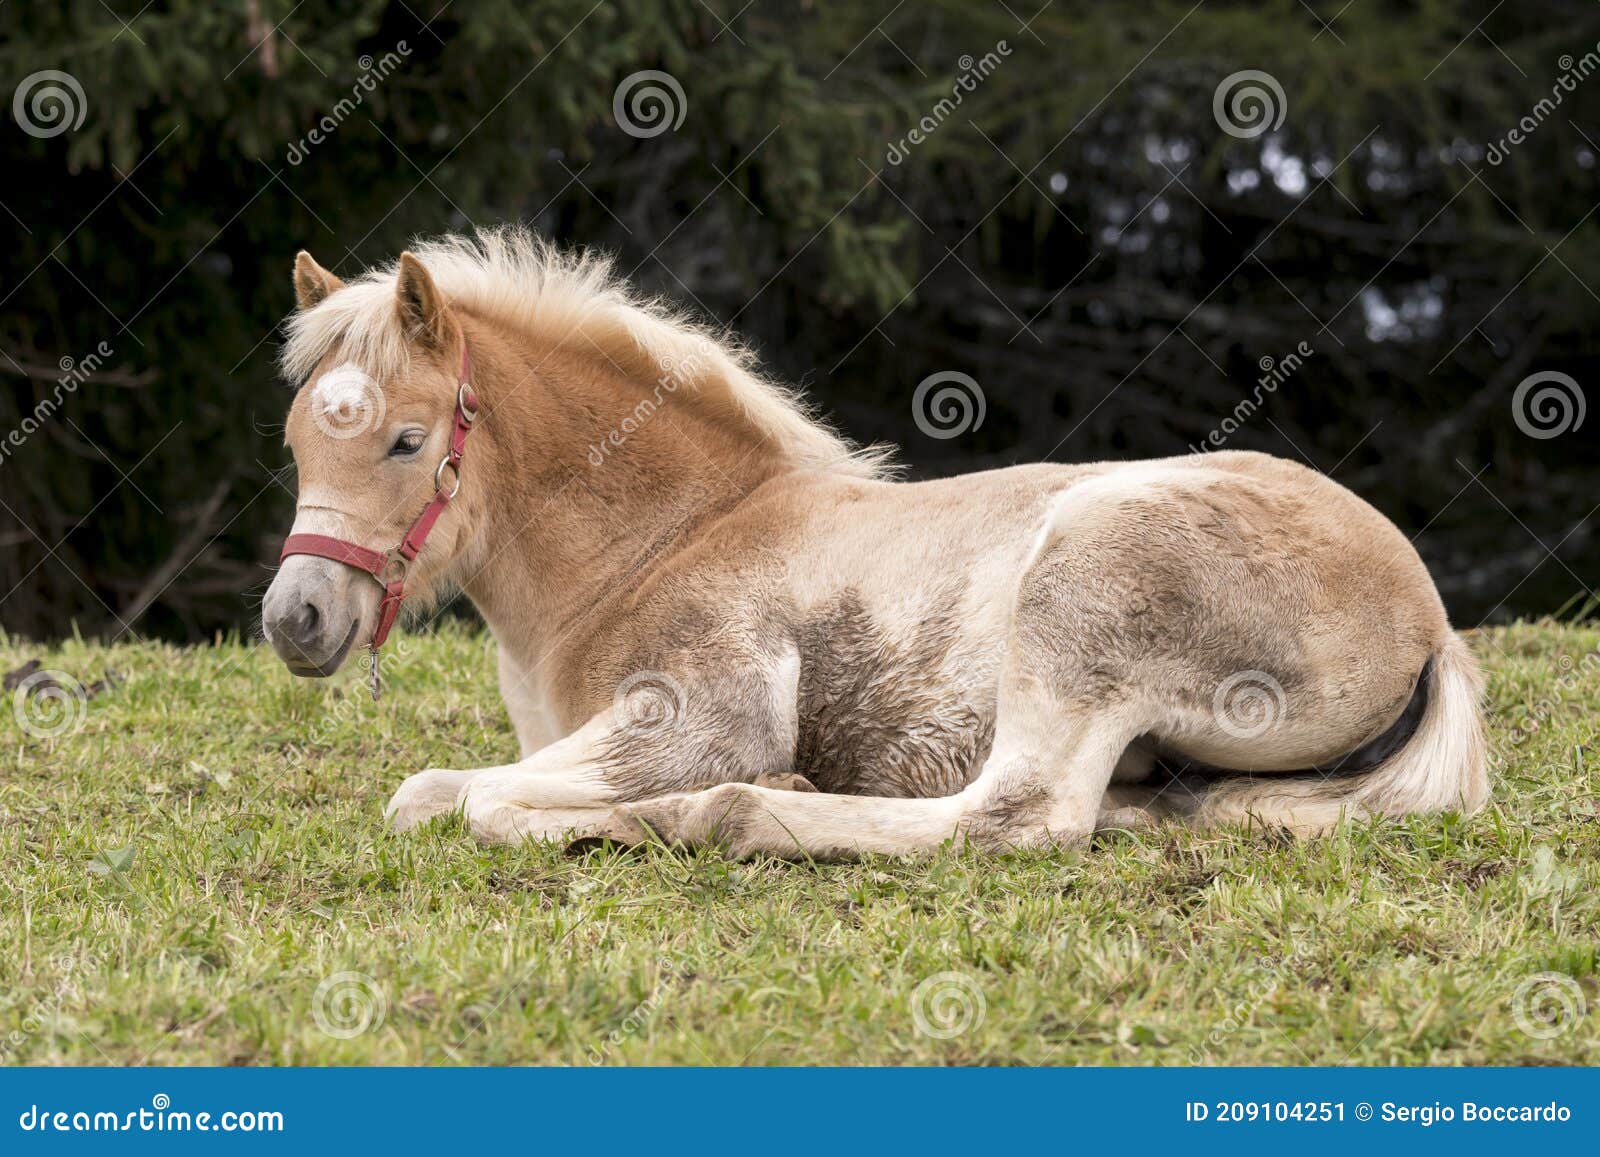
(1432, 758)
(1291, 652)
(1440, 766)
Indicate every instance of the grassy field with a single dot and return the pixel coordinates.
(195, 871)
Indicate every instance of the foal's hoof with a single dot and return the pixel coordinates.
(1124, 819)
(423, 796)
(619, 826)
(785, 781)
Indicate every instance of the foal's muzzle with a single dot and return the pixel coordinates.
(312, 616)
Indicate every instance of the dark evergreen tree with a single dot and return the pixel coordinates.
(1071, 224)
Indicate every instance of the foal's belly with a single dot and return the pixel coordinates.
(904, 716)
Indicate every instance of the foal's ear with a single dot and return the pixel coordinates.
(423, 311)
(312, 283)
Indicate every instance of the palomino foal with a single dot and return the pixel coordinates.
(704, 599)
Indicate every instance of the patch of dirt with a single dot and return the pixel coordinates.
(1473, 875)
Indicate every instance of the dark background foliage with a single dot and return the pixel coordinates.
(1079, 235)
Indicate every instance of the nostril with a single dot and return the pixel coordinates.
(304, 623)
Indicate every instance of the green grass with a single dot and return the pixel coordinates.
(182, 871)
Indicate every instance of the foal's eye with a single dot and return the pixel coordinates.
(407, 444)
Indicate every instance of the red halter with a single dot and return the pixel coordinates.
(398, 558)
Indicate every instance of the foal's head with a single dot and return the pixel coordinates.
(369, 445)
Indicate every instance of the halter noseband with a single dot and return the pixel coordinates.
(382, 565)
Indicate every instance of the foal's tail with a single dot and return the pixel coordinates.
(1441, 766)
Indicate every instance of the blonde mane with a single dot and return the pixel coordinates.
(511, 276)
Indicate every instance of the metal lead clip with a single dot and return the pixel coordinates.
(374, 680)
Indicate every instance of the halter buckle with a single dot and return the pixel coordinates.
(469, 414)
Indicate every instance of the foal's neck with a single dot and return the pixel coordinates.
(586, 480)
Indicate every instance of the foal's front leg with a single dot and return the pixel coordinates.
(677, 734)
(551, 790)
